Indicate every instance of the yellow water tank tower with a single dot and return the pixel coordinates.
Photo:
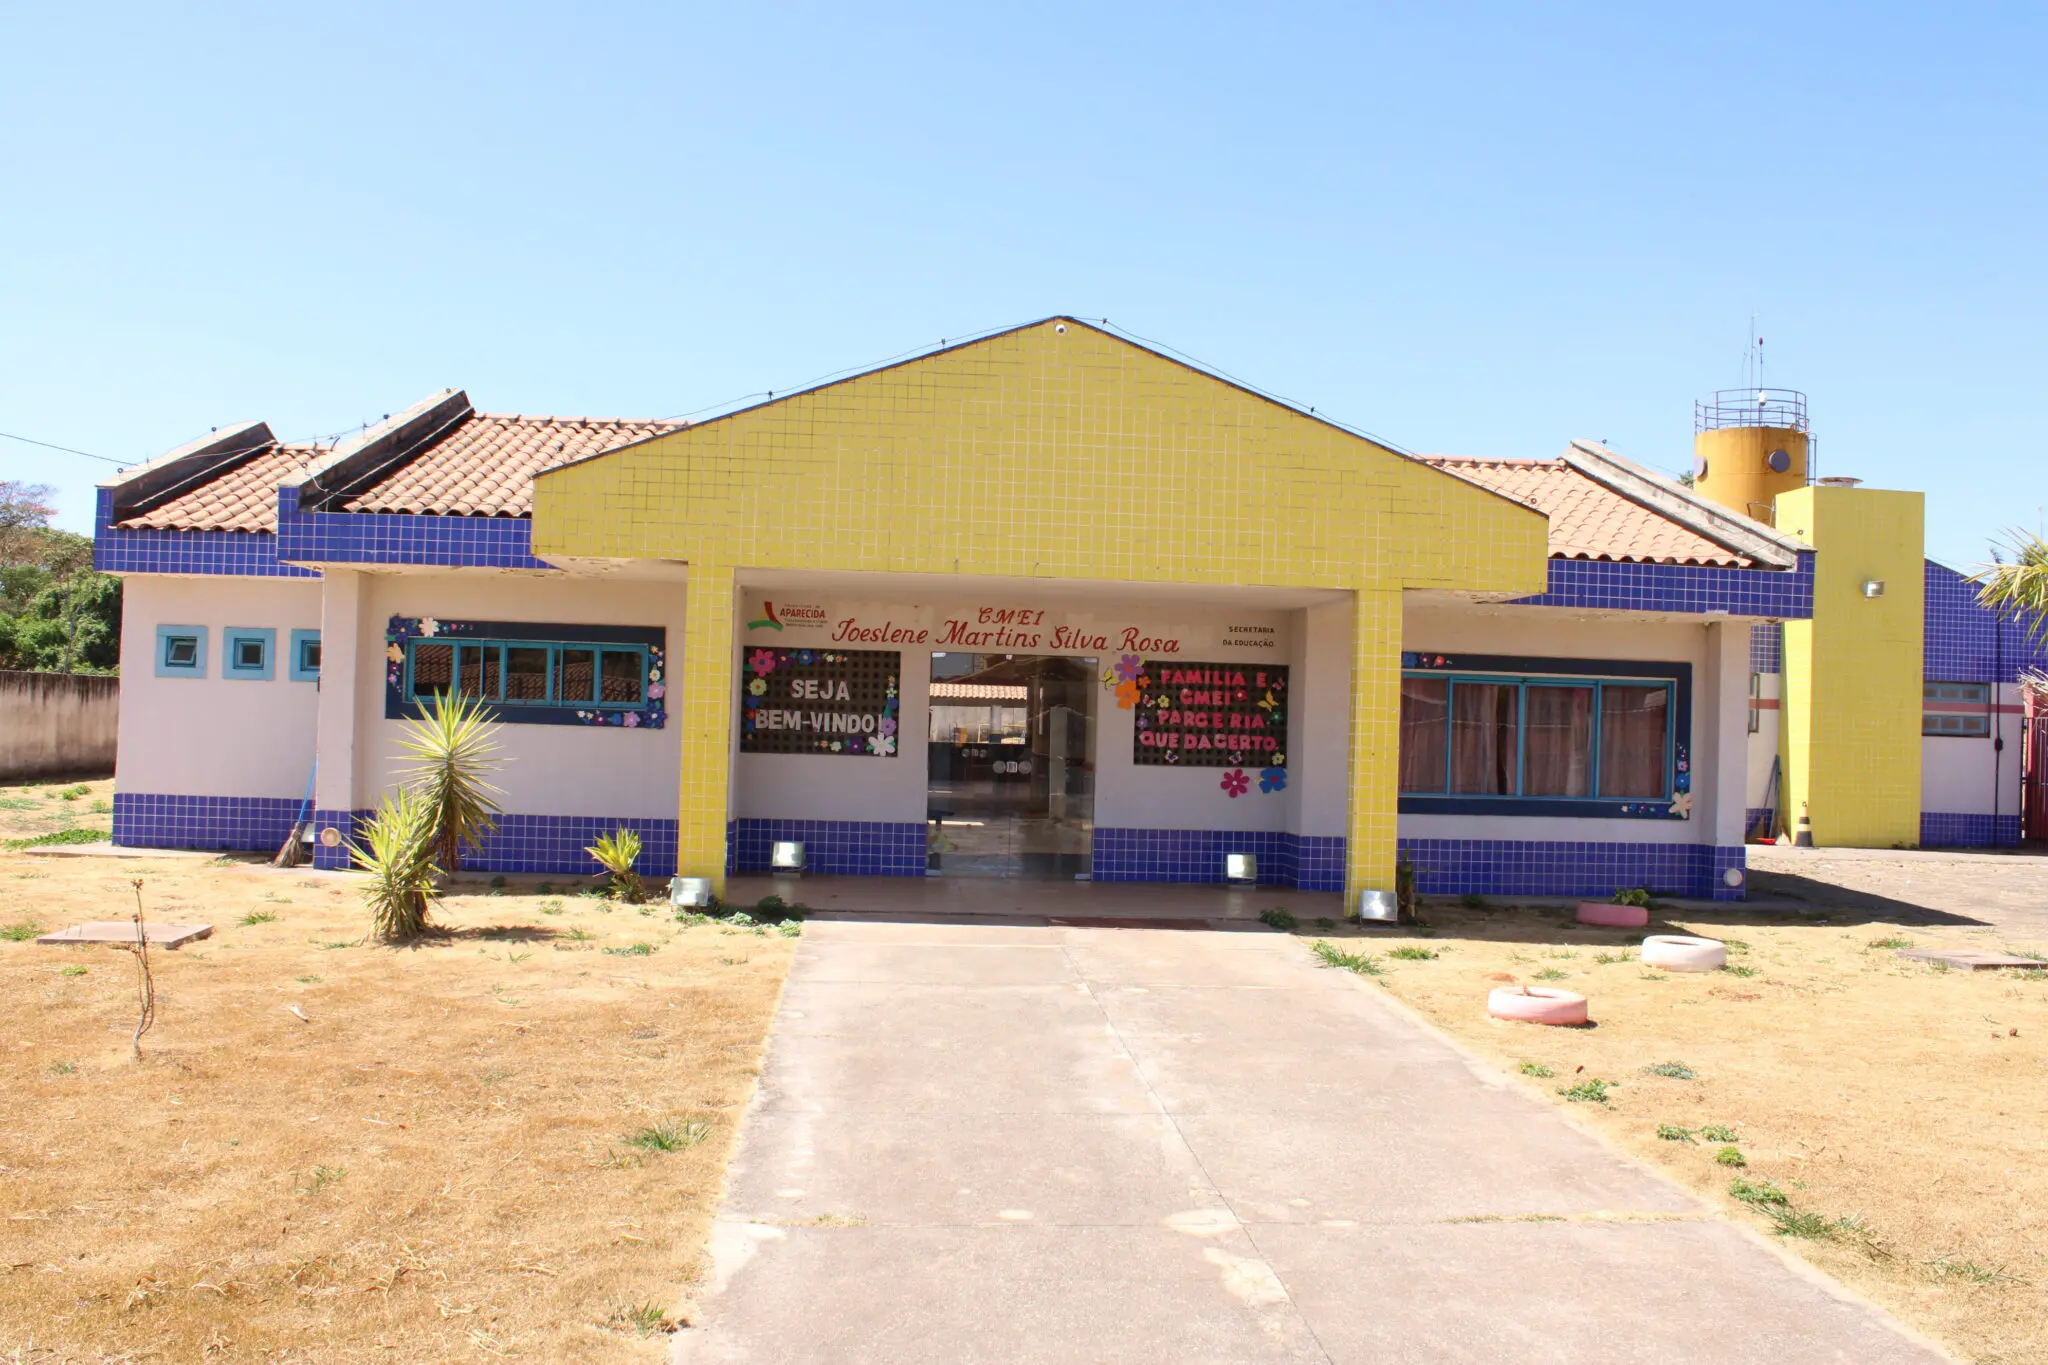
(1748, 446)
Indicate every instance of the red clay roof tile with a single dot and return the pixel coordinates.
(1588, 520)
(242, 499)
(485, 467)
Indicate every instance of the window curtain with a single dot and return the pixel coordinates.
(1425, 712)
(1633, 724)
(1484, 751)
(1559, 744)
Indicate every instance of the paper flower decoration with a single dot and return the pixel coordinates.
(1682, 807)
(1273, 779)
(1127, 668)
(762, 661)
(1126, 695)
(429, 626)
(1236, 783)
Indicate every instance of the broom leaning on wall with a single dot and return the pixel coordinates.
(294, 850)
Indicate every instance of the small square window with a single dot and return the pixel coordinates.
(305, 656)
(248, 653)
(181, 651)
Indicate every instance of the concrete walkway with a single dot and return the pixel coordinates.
(979, 1143)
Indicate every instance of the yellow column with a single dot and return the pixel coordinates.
(1375, 741)
(705, 681)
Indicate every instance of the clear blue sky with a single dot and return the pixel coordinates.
(1471, 229)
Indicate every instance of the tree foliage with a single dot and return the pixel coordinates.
(2016, 582)
(56, 614)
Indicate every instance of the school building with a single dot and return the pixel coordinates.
(1047, 603)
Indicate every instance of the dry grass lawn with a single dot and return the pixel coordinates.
(1908, 1099)
(333, 1151)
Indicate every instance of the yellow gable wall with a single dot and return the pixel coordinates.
(1055, 451)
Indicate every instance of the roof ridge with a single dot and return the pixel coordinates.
(539, 418)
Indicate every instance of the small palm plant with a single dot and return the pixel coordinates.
(2015, 584)
(616, 853)
(397, 850)
(453, 756)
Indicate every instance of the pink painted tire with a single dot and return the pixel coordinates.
(1536, 1005)
(1681, 953)
(1613, 916)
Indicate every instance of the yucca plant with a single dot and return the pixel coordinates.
(616, 853)
(453, 756)
(397, 850)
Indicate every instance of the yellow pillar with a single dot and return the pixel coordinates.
(703, 711)
(1375, 741)
(1851, 708)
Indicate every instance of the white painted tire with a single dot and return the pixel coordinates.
(1536, 1005)
(1679, 953)
(1609, 916)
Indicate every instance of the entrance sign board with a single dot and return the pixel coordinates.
(1210, 715)
(1087, 628)
(819, 701)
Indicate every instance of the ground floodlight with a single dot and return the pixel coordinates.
(786, 855)
(1240, 867)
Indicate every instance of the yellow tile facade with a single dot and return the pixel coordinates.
(1054, 451)
(1850, 737)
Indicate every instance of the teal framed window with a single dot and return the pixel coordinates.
(181, 651)
(528, 673)
(304, 660)
(248, 653)
(1545, 740)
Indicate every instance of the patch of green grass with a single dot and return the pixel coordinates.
(16, 803)
(1472, 902)
(1719, 1132)
(1411, 953)
(551, 907)
(311, 980)
(1537, 1069)
(338, 943)
(1735, 945)
(1634, 895)
(1552, 974)
(670, 1135)
(790, 928)
(1758, 1194)
(73, 970)
(513, 957)
(633, 950)
(1737, 969)
(1609, 959)
(498, 882)
(1671, 1132)
(1787, 1221)
(1948, 1266)
(62, 836)
(322, 1177)
(1330, 955)
(581, 935)
(1276, 918)
(63, 1068)
(647, 1319)
(1325, 922)
(1731, 1156)
(1586, 1092)
(258, 917)
(1891, 941)
(1677, 1071)
(73, 793)
(21, 931)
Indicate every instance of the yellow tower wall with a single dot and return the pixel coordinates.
(1852, 696)
(1737, 473)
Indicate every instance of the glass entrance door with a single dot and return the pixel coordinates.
(1011, 791)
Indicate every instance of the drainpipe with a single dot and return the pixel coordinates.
(1997, 725)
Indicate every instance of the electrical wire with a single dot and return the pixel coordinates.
(66, 449)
